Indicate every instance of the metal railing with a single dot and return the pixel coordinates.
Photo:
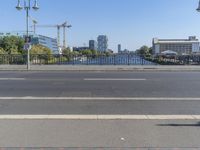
(115, 59)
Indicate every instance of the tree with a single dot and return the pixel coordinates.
(75, 53)
(40, 50)
(66, 51)
(12, 44)
(94, 52)
(86, 52)
(2, 51)
(151, 50)
(145, 51)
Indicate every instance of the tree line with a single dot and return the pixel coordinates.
(14, 45)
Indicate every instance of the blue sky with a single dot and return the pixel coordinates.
(132, 23)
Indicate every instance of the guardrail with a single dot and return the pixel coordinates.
(115, 59)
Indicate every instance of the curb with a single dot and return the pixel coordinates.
(97, 68)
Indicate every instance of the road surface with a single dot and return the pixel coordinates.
(163, 110)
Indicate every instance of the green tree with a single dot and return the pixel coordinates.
(86, 52)
(94, 52)
(75, 53)
(2, 51)
(151, 50)
(40, 50)
(66, 51)
(12, 44)
(145, 51)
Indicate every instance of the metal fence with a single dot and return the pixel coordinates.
(115, 59)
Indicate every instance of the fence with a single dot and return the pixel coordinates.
(115, 59)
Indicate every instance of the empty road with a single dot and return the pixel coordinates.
(93, 110)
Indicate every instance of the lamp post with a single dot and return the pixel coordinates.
(27, 8)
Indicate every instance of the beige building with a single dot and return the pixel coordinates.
(180, 46)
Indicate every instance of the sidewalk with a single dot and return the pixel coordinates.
(98, 68)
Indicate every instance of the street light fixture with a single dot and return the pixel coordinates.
(27, 8)
(198, 9)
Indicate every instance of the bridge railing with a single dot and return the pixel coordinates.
(114, 59)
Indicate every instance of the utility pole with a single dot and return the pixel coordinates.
(198, 9)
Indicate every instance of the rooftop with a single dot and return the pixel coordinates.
(191, 39)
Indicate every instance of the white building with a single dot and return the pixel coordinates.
(180, 46)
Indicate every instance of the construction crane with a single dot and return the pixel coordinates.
(53, 26)
(34, 24)
(64, 26)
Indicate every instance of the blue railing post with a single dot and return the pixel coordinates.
(129, 59)
(114, 59)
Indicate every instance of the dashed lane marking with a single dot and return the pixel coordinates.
(13, 79)
(113, 79)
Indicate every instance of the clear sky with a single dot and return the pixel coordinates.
(132, 23)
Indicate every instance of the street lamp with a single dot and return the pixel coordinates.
(27, 8)
(198, 9)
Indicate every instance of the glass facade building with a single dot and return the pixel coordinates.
(102, 43)
(93, 45)
(51, 43)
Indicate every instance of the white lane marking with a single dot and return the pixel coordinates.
(100, 117)
(112, 79)
(106, 98)
(16, 79)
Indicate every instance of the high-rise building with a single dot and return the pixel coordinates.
(93, 45)
(180, 46)
(102, 43)
(119, 48)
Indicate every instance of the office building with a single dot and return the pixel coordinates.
(119, 48)
(102, 43)
(49, 42)
(93, 45)
(180, 46)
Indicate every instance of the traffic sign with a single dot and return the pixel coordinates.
(27, 46)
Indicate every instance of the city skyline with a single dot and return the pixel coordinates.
(129, 23)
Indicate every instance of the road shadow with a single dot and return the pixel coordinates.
(179, 125)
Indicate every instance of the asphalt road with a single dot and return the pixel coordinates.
(103, 93)
(116, 85)
(81, 84)
(98, 107)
